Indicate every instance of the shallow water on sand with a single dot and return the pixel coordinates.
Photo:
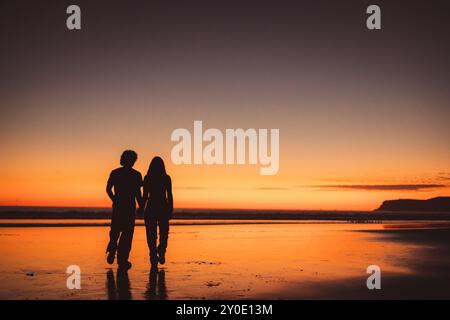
(239, 261)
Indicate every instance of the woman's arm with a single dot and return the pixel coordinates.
(169, 196)
(145, 193)
(139, 198)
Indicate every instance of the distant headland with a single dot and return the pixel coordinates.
(438, 204)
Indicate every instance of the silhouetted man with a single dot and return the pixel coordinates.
(126, 183)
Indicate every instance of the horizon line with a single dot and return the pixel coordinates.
(189, 208)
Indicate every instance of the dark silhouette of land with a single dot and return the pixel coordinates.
(101, 216)
(432, 209)
(438, 204)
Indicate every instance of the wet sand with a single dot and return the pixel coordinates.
(233, 261)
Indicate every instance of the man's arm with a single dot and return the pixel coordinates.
(139, 198)
(109, 188)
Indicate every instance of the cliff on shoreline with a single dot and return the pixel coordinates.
(438, 204)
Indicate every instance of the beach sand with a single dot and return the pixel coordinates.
(233, 261)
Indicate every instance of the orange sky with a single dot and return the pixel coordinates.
(63, 157)
(310, 181)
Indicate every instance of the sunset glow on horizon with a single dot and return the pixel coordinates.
(214, 186)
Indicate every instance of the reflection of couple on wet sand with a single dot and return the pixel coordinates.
(121, 289)
(124, 188)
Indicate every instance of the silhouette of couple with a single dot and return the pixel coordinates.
(124, 188)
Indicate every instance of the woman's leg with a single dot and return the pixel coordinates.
(163, 237)
(151, 224)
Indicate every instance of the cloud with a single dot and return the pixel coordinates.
(382, 187)
(443, 176)
(272, 188)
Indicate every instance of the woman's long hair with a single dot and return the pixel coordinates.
(156, 170)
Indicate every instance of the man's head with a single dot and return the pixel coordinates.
(128, 158)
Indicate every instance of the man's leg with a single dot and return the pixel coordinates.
(126, 239)
(150, 228)
(163, 238)
(114, 234)
(113, 237)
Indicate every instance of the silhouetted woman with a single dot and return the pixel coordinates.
(158, 196)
